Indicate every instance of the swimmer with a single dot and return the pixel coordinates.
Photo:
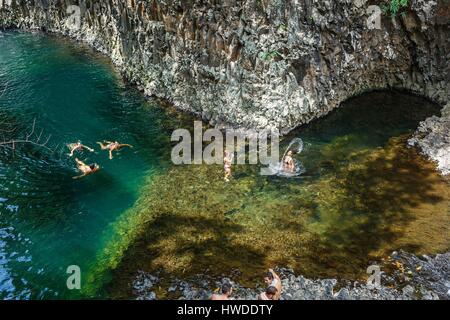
(86, 169)
(273, 280)
(269, 294)
(112, 146)
(78, 146)
(227, 161)
(289, 163)
(227, 290)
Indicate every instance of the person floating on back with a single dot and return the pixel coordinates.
(226, 290)
(273, 280)
(86, 169)
(112, 146)
(269, 294)
(78, 146)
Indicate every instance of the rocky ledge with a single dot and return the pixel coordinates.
(409, 278)
(433, 139)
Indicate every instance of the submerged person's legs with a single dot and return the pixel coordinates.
(227, 161)
(227, 174)
(103, 146)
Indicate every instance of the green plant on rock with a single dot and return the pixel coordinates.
(270, 55)
(282, 27)
(394, 7)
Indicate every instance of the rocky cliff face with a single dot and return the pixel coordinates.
(259, 63)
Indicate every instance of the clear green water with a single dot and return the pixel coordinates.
(363, 193)
(47, 220)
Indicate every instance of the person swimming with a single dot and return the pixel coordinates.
(86, 169)
(78, 146)
(289, 162)
(227, 161)
(112, 146)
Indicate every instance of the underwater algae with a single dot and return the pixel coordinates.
(188, 221)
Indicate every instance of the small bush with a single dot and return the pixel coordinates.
(270, 55)
(394, 7)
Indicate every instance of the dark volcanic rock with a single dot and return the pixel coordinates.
(414, 278)
(257, 64)
(260, 64)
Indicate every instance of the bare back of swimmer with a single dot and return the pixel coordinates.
(86, 169)
(78, 146)
(112, 146)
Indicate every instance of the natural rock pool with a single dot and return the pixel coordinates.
(364, 193)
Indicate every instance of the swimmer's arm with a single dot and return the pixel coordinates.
(73, 150)
(87, 148)
(274, 274)
(79, 177)
(79, 162)
(125, 145)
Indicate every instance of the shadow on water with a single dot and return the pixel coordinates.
(332, 228)
(380, 200)
(359, 200)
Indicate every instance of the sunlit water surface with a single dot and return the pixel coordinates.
(48, 221)
(361, 192)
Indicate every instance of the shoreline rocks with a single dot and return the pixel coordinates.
(413, 278)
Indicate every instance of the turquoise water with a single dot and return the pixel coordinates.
(47, 220)
(351, 189)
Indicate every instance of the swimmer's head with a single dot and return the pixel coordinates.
(271, 291)
(268, 278)
(94, 167)
(227, 288)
